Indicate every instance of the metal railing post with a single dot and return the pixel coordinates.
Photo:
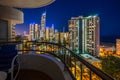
(81, 69)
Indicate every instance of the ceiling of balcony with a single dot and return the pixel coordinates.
(25, 3)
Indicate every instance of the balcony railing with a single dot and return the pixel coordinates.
(77, 66)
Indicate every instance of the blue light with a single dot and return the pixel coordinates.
(44, 14)
(47, 26)
(52, 24)
(32, 23)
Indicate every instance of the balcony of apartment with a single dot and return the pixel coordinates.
(39, 60)
(45, 61)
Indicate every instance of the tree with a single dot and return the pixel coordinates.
(18, 38)
(111, 65)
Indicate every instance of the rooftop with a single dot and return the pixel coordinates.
(90, 58)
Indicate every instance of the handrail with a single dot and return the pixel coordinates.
(12, 68)
(97, 71)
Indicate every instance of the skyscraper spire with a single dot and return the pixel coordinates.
(43, 20)
(53, 28)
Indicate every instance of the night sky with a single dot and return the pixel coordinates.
(61, 11)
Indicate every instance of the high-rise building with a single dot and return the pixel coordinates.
(61, 37)
(43, 25)
(84, 34)
(52, 33)
(73, 33)
(118, 46)
(56, 36)
(92, 25)
(47, 33)
(56, 31)
(66, 36)
(34, 32)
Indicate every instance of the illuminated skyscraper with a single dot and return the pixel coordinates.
(66, 37)
(92, 25)
(56, 35)
(118, 46)
(53, 28)
(52, 33)
(62, 37)
(47, 33)
(34, 32)
(84, 34)
(43, 25)
(56, 31)
(74, 37)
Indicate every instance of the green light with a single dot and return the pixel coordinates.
(89, 16)
(96, 15)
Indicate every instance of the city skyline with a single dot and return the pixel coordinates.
(68, 36)
(59, 15)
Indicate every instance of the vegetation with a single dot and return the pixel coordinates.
(111, 65)
(18, 38)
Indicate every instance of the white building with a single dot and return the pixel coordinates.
(43, 26)
(34, 32)
(84, 34)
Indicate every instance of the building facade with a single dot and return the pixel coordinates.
(43, 26)
(47, 34)
(51, 33)
(73, 33)
(10, 15)
(118, 46)
(92, 25)
(84, 34)
(8, 22)
(34, 32)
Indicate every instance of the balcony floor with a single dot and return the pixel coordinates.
(32, 75)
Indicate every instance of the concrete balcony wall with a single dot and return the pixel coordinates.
(44, 63)
(26, 3)
(8, 18)
(11, 14)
